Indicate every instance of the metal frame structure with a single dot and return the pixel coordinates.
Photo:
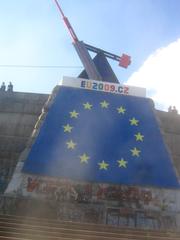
(83, 48)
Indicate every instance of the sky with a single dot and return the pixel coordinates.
(33, 34)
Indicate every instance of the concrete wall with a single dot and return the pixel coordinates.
(18, 115)
(19, 112)
(170, 127)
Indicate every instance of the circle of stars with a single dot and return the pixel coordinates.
(85, 158)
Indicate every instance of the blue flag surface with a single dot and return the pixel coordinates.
(101, 137)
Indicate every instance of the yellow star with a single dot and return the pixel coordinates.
(84, 158)
(134, 121)
(104, 104)
(74, 114)
(87, 106)
(122, 163)
(135, 152)
(139, 137)
(67, 128)
(103, 165)
(121, 109)
(71, 144)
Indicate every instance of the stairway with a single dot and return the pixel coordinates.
(26, 228)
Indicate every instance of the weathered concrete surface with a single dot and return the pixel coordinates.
(170, 127)
(18, 114)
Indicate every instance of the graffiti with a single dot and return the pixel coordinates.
(81, 213)
(84, 193)
(32, 184)
(104, 203)
(124, 194)
(51, 189)
(66, 190)
(140, 218)
(89, 213)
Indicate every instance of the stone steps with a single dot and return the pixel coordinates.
(16, 227)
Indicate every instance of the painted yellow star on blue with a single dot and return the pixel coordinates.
(87, 106)
(103, 165)
(135, 152)
(104, 104)
(67, 128)
(122, 163)
(134, 121)
(74, 114)
(71, 144)
(121, 110)
(139, 137)
(84, 158)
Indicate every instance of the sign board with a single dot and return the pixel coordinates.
(94, 136)
(103, 86)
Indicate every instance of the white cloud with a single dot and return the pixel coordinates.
(160, 75)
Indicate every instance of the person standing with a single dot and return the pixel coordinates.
(3, 87)
(10, 87)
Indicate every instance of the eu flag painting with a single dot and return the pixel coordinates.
(101, 137)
